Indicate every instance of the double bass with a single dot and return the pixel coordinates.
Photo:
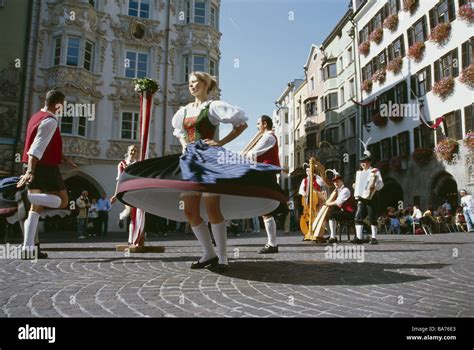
(312, 203)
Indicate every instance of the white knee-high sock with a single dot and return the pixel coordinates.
(31, 223)
(359, 231)
(270, 227)
(374, 230)
(45, 200)
(332, 228)
(130, 233)
(220, 236)
(204, 237)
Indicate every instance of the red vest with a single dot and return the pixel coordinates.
(349, 204)
(316, 186)
(270, 156)
(53, 152)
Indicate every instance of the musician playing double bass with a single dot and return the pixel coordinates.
(366, 203)
(266, 151)
(342, 208)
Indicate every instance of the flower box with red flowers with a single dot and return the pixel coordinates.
(367, 85)
(364, 48)
(417, 51)
(380, 76)
(446, 149)
(422, 155)
(444, 87)
(467, 76)
(469, 141)
(395, 65)
(410, 5)
(466, 12)
(376, 36)
(391, 22)
(440, 33)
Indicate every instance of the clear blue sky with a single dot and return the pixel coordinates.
(271, 49)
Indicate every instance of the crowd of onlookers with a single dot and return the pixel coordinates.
(445, 218)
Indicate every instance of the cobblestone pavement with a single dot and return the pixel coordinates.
(403, 276)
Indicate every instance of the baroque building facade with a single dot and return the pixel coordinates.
(91, 51)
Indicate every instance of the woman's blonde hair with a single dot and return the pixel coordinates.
(209, 80)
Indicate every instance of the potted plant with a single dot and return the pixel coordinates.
(391, 22)
(395, 65)
(467, 75)
(364, 48)
(380, 75)
(416, 51)
(396, 164)
(367, 85)
(422, 155)
(376, 36)
(466, 12)
(440, 33)
(469, 141)
(444, 87)
(446, 149)
(410, 5)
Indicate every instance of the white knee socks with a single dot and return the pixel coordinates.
(270, 227)
(31, 223)
(204, 237)
(45, 200)
(374, 230)
(359, 231)
(220, 236)
(332, 228)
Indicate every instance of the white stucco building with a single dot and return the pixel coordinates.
(394, 139)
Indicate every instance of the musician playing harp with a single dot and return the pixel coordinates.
(368, 182)
(342, 208)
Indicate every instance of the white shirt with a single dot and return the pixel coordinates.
(417, 213)
(219, 112)
(319, 181)
(43, 136)
(266, 143)
(343, 194)
(467, 203)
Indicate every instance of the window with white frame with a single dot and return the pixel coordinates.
(88, 55)
(139, 8)
(199, 63)
(350, 55)
(200, 11)
(129, 126)
(343, 95)
(214, 18)
(57, 51)
(67, 125)
(75, 124)
(312, 83)
(186, 68)
(73, 45)
(212, 67)
(352, 87)
(136, 64)
(287, 138)
(341, 64)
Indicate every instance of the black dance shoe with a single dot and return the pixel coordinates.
(374, 241)
(219, 268)
(202, 265)
(268, 249)
(356, 240)
(332, 240)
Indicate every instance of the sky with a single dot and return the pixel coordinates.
(271, 40)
